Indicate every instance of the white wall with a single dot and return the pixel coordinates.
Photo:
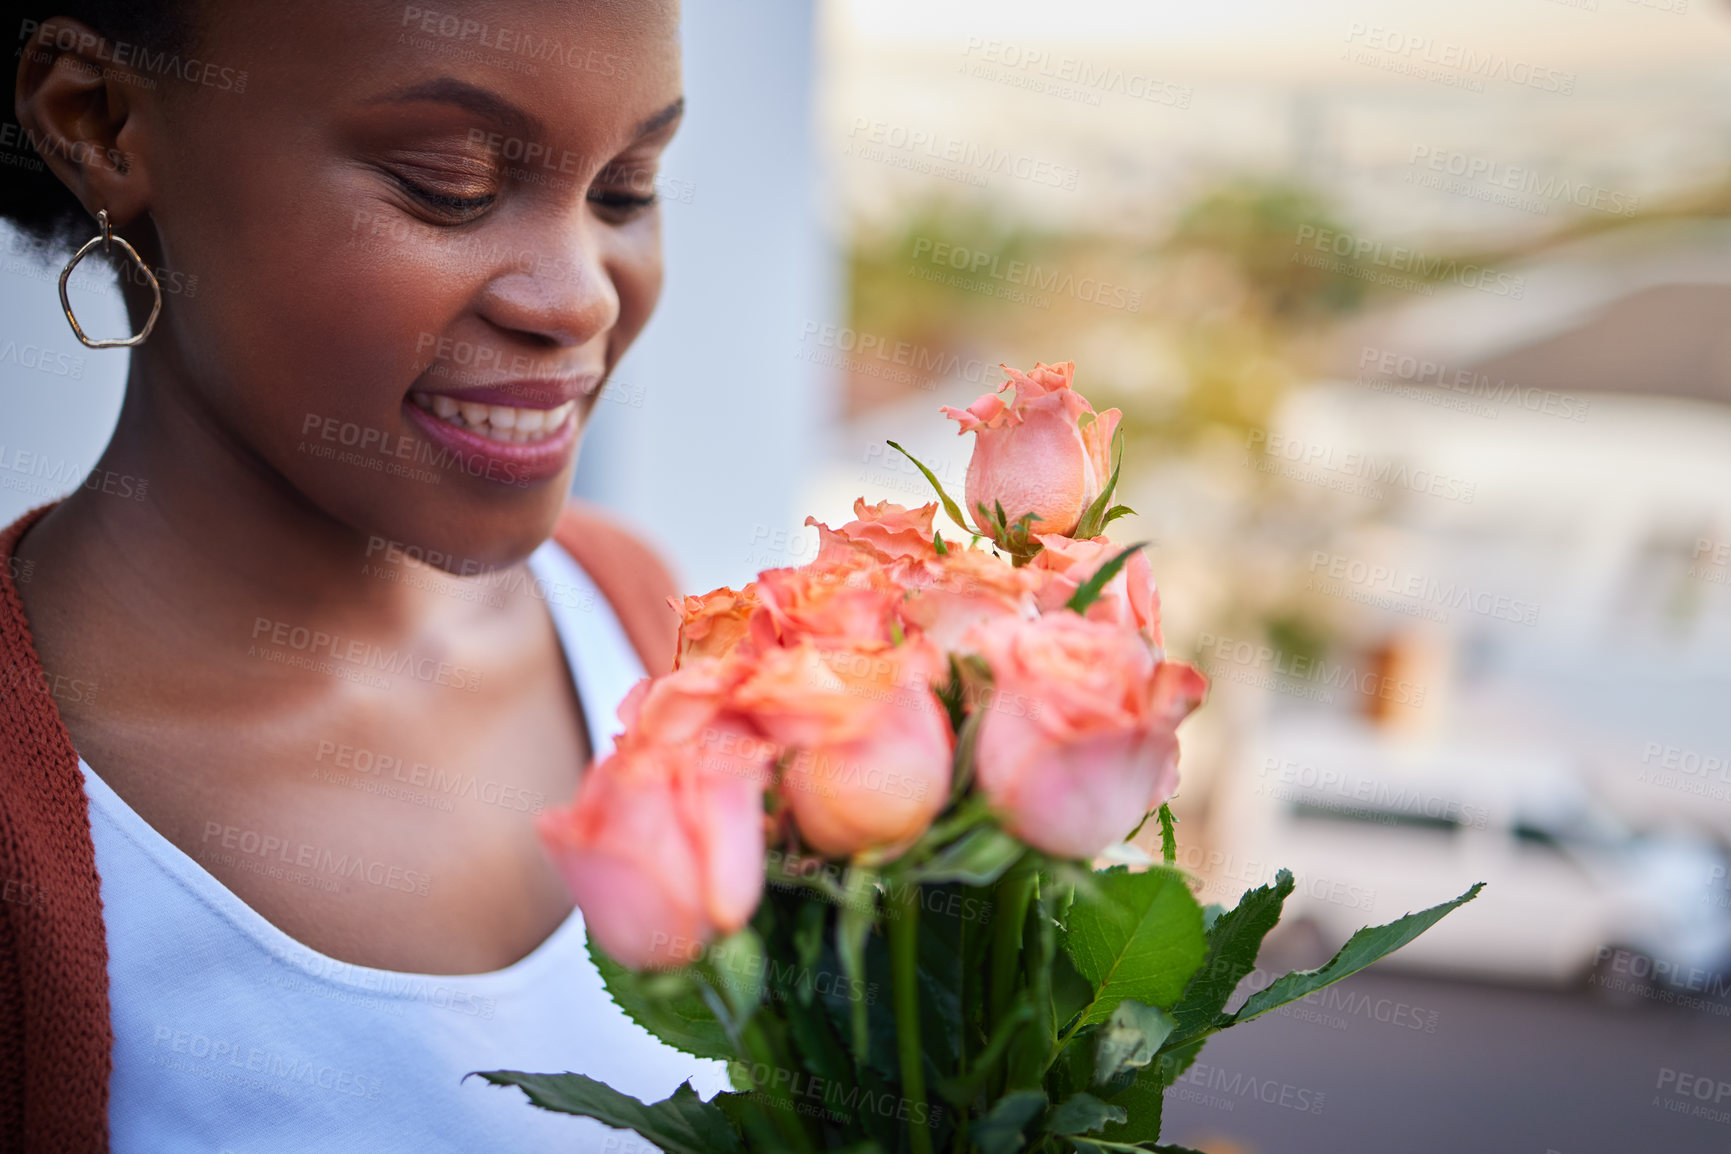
(713, 427)
(726, 440)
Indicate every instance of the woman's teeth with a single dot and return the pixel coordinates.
(505, 423)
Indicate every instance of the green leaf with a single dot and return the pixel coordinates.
(1168, 834)
(1089, 591)
(681, 1124)
(1143, 1102)
(938, 543)
(1234, 940)
(668, 1005)
(954, 510)
(1001, 1130)
(1173, 1063)
(1135, 935)
(1114, 513)
(1082, 1114)
(978, 859)
(1366, 946)
(1129, 1039)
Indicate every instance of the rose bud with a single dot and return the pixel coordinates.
(660, 854)
(1078, 741)
(869, 746)
(1129, 598)
(1033, 454)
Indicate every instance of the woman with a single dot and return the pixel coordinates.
(287, 699)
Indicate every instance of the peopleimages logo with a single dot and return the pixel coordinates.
(1515, 178)
(1382, 369)
(1401, 259)
(137, 57)
(1329, 572)
(1021, 274)
(1404, 51)
(882, 141)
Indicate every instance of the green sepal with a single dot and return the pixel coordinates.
(1094, 518)
(950, 507)
(1089, 591)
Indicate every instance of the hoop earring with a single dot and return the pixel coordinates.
(106, 238)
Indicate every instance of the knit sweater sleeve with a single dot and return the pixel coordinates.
(630, 575)
(55, 1035)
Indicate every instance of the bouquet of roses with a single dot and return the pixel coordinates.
(847, 843)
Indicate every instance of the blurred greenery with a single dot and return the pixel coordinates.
(1220, 323)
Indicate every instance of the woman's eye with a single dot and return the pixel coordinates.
(621, 206)
(452, 208)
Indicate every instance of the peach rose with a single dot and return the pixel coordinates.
(1129, 598)
(711, 625)
(963, 589)
(879, 534)
(834, 607)
(694, 705)
(661, 854)
(1078, 742)
(867, 746)
(1034, 455)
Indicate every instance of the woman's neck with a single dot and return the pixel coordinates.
(184, 537)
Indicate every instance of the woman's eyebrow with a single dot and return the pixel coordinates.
(450, 90)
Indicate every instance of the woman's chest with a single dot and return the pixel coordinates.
(220, 1017)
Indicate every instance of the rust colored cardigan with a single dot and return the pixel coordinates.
(55, 1034)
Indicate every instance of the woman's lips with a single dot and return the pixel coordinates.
(505, 443)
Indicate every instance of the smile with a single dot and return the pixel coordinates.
(507, 424)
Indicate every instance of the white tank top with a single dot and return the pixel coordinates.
(230, 1037)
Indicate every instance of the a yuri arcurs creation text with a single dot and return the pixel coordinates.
(845, 844)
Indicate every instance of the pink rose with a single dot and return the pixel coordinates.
(1129, 597)
(1078, 743)
(661, 854)
(959, 591)
(711, 625)
(663, 847)
(1034, 454)
(867, 747)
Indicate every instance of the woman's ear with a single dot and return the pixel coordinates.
(78, 107)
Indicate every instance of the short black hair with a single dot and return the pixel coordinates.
(32, 198)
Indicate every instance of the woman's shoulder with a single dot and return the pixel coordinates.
(630, 574)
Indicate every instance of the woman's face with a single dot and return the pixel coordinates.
(422, 236)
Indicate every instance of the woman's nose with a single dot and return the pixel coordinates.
(561, 293)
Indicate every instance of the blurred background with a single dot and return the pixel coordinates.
(1420, 319)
